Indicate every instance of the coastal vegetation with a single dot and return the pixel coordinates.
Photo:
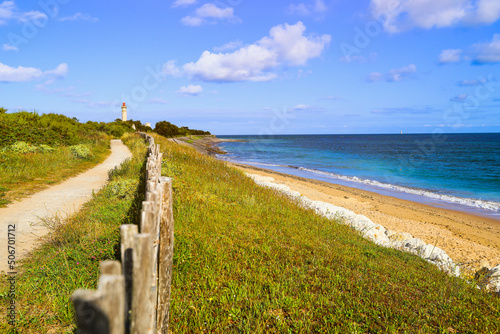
(168, 129)
(39, 150)
(246, 259)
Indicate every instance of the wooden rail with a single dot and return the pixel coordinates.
(134, 296)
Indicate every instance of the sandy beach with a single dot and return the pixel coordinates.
(471, 241)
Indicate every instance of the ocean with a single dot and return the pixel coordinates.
(454, 171)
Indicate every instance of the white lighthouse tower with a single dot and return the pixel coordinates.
(124, 112)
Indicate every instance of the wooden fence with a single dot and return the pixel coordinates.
(134, 296)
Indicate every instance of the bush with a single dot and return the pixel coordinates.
(116, 130)
(48, 129)
(22, 148)
(45, 148)
(81, 151)
(123, 189)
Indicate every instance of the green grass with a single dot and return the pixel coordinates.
(69, 258)
(248, 260)
(24, 174)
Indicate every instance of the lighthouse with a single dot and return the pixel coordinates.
(124, 112)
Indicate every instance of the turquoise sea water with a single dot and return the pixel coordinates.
(458, 171)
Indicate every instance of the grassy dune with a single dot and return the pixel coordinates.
(247, 259)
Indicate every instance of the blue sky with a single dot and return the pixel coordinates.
(258, 67)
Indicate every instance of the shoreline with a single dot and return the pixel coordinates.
(453, 203)
(472, 241)
(203, 144)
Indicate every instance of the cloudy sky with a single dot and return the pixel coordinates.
(258, 67)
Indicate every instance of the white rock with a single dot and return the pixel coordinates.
(398, 236)
(413, 243)
(377, 235)
(493, 279)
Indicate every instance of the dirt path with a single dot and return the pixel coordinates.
(62, 199)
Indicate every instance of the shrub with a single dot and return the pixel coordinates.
(48, 129)
(22, 148)
(123, 189)
(45, 148)
(81, 151)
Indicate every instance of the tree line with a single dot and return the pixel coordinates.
(168, 129)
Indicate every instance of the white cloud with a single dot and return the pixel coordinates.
(191, 90)
(62, 91)
(285, 45)
(246, 64)
(192, 21)
(111, 105)
(360, 59)
(59, 72)
(399, 15)
(79, 17)
(26, 74)
(290, 44)
(170, 69)
(158, 100)
(459, 98)
(209, 13)
(313, 7)
(374, 76)
(32, 16)
(450, 56)
(306, 107)
(302, 107)
(398, 74)
(19, 74)
(475, 82)
(212, 11)
(299, 9)
(486, 53)
(8, 47)
(228, 46)
(183, 3)
(9, 11)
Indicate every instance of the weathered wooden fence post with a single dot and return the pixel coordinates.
(113, 301)
(127, 233)
(165, 257)
(142, 281)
